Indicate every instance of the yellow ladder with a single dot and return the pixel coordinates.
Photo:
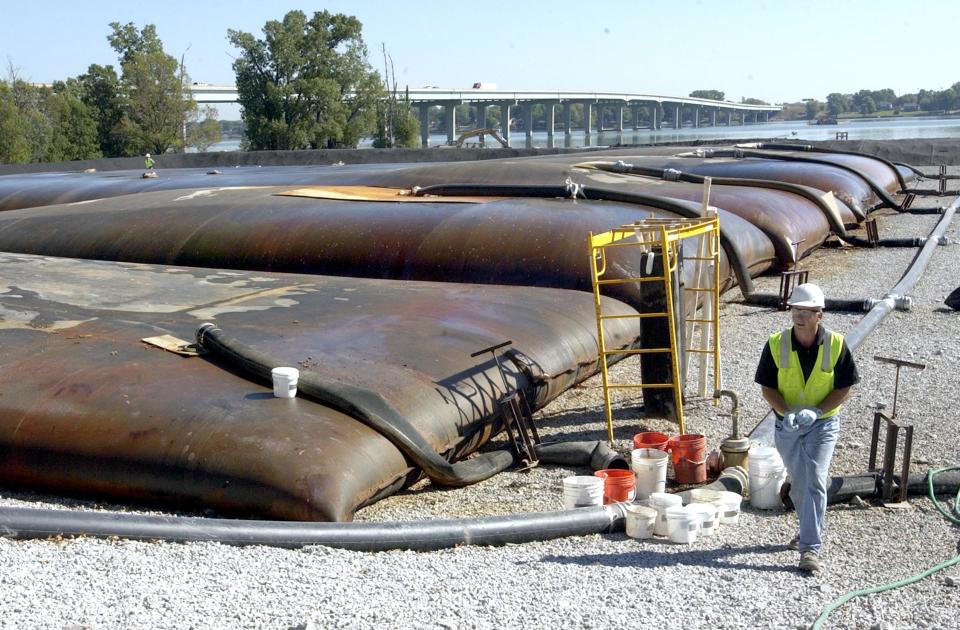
(665, 235)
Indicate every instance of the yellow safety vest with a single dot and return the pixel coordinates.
(795, 391)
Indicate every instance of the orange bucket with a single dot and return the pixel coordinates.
(618, 485)
(688, 452)
(651, 439)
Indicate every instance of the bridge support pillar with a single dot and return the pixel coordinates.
(713, 117)
(655, 116)
(450, 116)
(619, 117)
(567, 122)
(677, 121)
(482, 115)
(696, 117)
(528, 123)
(505, 121)
(551, 118)
(587, 116)
(425, 125)
(635, 115)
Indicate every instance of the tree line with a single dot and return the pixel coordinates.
(306, 84)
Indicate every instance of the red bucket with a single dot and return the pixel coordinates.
(651, 439)
(618, 485)
(688, 453)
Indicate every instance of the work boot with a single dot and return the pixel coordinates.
(809, 562)
(794, 543)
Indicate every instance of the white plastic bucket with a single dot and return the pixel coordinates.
(682, 524)
(641, 521)
(582, 491)
(767, 474)
(661, 501)
(650, 466)
(707, 512)
(728, 507)
(285, 381)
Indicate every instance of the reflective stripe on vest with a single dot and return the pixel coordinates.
(790, 382)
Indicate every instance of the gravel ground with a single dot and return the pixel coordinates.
(742, 577)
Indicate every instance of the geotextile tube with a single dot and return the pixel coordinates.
(89, 408)
(361, 403)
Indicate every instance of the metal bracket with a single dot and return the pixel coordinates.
(890, 455)
(873, 234)
(788, 280)
(517, 415)
(892, 434)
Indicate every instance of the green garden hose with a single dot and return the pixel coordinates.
(953, 518)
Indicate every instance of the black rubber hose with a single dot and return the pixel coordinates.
(869, 486)
(27, 523)
(784, 146)
(596, 455)
(363, 404)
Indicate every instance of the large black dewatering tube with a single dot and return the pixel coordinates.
(373, 410)
(878, 190)
(686, 209)
(786, 146)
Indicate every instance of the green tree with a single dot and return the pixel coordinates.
(73, 124)
(155, 99)
(753, 101)
(100, 91)
(306, 84)
(838, 103)
(203, 130)
(713, 95)
(813, 109)
(14, 145)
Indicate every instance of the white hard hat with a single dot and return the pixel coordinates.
(806, 295)
(148, 155)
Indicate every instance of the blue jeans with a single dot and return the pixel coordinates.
(806, 453)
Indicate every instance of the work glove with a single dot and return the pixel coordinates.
(790, 422)
(807, 416)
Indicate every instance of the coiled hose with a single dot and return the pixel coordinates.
(889, 586)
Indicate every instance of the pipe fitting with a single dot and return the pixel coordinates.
(672, 174)
(734, 406)
(943, 240)
(901, 302)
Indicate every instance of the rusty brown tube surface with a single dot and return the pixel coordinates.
(87, 407)
(539, 242)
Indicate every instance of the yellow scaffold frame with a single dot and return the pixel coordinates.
(665, 235)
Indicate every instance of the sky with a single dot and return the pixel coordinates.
(773, 50)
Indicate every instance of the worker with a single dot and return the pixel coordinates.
(805, 372)
(148, 162)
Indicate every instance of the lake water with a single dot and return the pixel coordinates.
(869, 129)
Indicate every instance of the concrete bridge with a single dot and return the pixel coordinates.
(646, 111)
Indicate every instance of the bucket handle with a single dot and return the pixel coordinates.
(695, 463)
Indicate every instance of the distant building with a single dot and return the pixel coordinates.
(884, 105)
(910, 107)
